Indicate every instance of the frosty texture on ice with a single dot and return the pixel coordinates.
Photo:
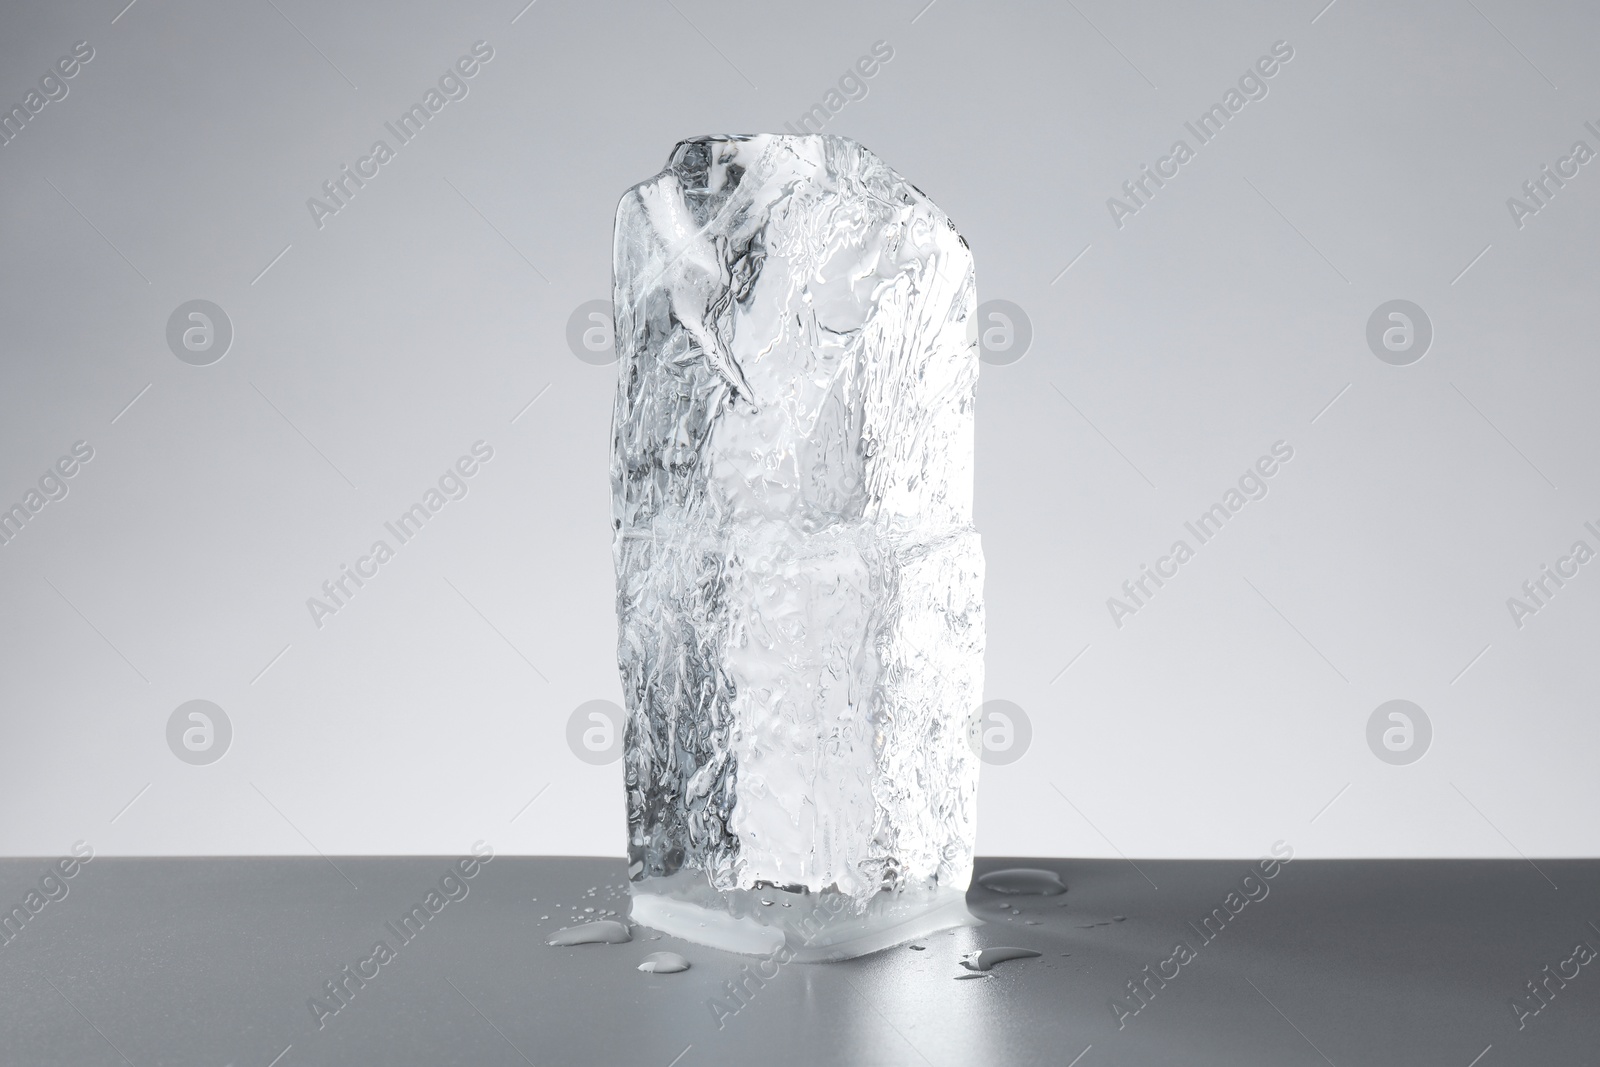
(799, 586)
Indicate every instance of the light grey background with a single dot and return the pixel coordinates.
(371, 353)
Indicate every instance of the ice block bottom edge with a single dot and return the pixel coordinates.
(813, 926)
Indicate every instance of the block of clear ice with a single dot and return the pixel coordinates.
(799, 585)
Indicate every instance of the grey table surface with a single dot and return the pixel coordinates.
(215, 961)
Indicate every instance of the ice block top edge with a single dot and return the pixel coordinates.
(796, 340)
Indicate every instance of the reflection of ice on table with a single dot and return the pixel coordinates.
(799, 584)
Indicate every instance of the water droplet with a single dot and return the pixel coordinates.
(1030, 922)
(601, 932)
(664, 963)
(917, 948)
(543, 917)
(588, 909)
(765, 903)
(1024, 881)
(1120, 918)
(985, 958)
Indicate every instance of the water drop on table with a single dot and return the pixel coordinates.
(986, 958)
(601, 932)
(664, 963)
(1024, 881)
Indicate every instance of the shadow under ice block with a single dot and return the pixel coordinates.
(799, 586)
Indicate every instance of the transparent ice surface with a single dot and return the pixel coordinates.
(799, 586)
